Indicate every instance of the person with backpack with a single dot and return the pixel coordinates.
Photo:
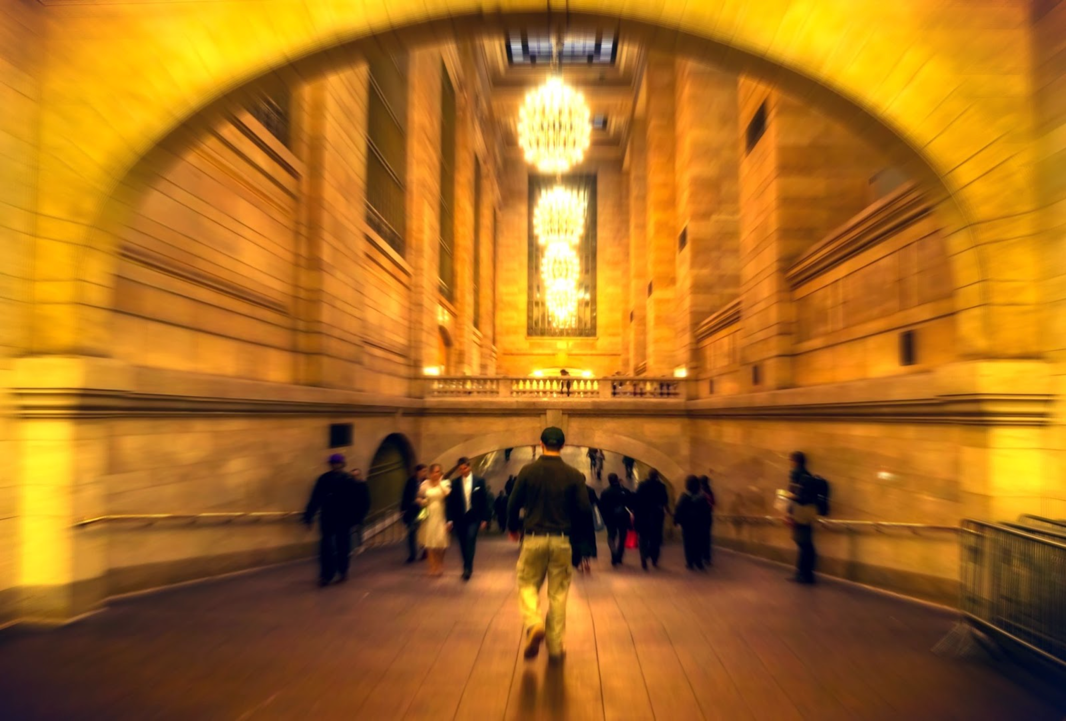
(809, 498)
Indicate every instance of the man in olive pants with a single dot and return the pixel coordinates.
(551, 493)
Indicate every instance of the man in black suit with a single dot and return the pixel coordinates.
(467, 509)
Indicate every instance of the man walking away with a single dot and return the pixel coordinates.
(693, 514)
(334, 500)
(652, 500)
(803, 512)
(552, 494)
(468, 512)
(362, 506)
(628, 463)
(616, 507)
(410, 509)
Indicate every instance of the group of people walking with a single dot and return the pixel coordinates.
(436, 509)
(549, 509)
(644, 513)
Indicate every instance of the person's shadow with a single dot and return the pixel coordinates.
(547, 694)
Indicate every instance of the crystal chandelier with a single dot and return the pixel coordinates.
(559, 216)
(554, 126)
(559, 224)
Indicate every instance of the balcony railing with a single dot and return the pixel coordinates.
(614, 387)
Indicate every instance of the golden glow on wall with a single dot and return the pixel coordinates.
(554, 126)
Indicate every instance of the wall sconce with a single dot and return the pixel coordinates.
(681, 372)
(431, 370)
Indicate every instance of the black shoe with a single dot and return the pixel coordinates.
(699, 566)
(410, 559)
(644, 564)
(802, 580)
(466, 575)
(323, 582)
(689, 566)
(343, 578)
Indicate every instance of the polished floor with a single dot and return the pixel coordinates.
(737, 642)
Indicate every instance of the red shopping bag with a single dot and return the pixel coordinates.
(631, 539)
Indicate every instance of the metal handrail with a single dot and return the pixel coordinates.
(845, 525)
(216, 516)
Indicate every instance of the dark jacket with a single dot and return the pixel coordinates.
(408, 502)
(693, 513)
(553, 495)
(455, 506)
(616, 505)
(803, 487)
(652, 500)
(335, 499)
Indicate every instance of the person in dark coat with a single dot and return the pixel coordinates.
(803, 513)
(705, 486)
(362, 505)
(500, 506)
(333, 499)
(693, 514)
(652, 500)
(410, 509)
(583, 535)
(616, 507)
(468, 510)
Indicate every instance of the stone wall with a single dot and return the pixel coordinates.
(21, 45)
(803, 177)
(520, 354)
(1050, 93)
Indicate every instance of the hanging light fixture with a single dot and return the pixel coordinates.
(560, 216)
(559, 224)
(554, 126)
(559, 263)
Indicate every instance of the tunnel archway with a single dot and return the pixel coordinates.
(390, 467)
(653, 457)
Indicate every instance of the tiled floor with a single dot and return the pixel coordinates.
(737, 642)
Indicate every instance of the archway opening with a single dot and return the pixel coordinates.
(389, 470)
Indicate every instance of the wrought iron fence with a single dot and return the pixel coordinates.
(1014, 586)
(1050, 524)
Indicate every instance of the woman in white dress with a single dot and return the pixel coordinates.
(434, 527)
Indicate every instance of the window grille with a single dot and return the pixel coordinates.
(539, 323)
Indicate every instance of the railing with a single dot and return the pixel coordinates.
(614, 387)
(1014, 586)
(383, 527)
(1049, 524)
(841, 525)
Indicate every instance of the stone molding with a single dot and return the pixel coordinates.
(727, 316)
(978, 393)
(183, 271)
(981, 409)
(880, 222)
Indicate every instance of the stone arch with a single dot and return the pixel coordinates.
(388, 469)
(608, 441)
(901, 87)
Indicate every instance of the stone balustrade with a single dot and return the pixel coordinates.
(615, 387)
